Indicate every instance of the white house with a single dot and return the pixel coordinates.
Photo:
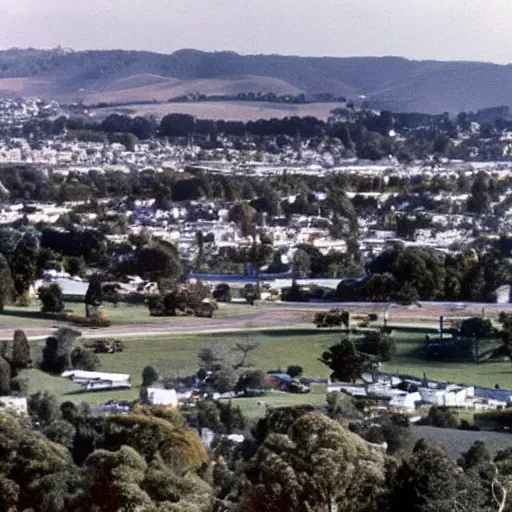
(161, 396)
(451, 396)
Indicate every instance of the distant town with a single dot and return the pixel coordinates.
(198, 308)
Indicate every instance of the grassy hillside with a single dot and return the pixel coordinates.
(388, 82)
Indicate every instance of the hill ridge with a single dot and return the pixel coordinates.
(391, 82)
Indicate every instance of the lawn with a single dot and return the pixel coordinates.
(254, 408)
(15, 317)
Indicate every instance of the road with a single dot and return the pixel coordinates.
(281, 316)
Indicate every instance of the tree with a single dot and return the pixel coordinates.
(476, 327)
(477, 455)
(61, 432)
(332, 318)
(51, 298)
(35, 471)
(443, 417)
(294, 370)
(208, 358)
(83, 359)
(224, 378)
(6, 283)
(480, 198)
(250, 292)
(318, 465)
(43, 408)
(344, 361)
(75, 266)
(176, 125)
(94, 294)
(158, 261)
(420, 273)
(149, 376)
(57, 351)
(23, 266)
(112, 481)
(5, 377)
(222, 293)
(301, 264)
(256, 379)
(178, 446)
(425, 481)
(245, 349)
(20, 357)
(243, 215)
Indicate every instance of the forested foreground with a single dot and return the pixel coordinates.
(294, 459)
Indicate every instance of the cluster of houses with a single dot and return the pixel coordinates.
(408, 394)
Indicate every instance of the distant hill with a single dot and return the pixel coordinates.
(128, 76)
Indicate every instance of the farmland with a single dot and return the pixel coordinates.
(225, 110)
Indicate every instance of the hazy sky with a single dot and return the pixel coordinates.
(419, 29)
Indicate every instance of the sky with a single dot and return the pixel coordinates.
(416, 29)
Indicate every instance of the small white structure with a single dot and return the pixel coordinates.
(346, 387)
(98, 380)
(451, 396)
(404, 400)
(18, 405)
(161, 396)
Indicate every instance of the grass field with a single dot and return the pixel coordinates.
(408, 360)
(176, 355)
(15, 317)
(254, 408)
(227, 110)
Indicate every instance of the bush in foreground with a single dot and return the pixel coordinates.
(51, 298)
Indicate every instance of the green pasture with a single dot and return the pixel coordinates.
(16, 317)
(174, 356)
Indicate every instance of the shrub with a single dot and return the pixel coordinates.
(503, 418)
(204, 310)
(295, 294)
(250, 293)
(332, 318)
(294, 370)
(82, 359)
(104, 345)
(5, 377)
(176, 302)
(95, 319)
(19, 386)
(51, 298)
(224, 378)
(443, 417)
(222, 293)
(149, 376)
